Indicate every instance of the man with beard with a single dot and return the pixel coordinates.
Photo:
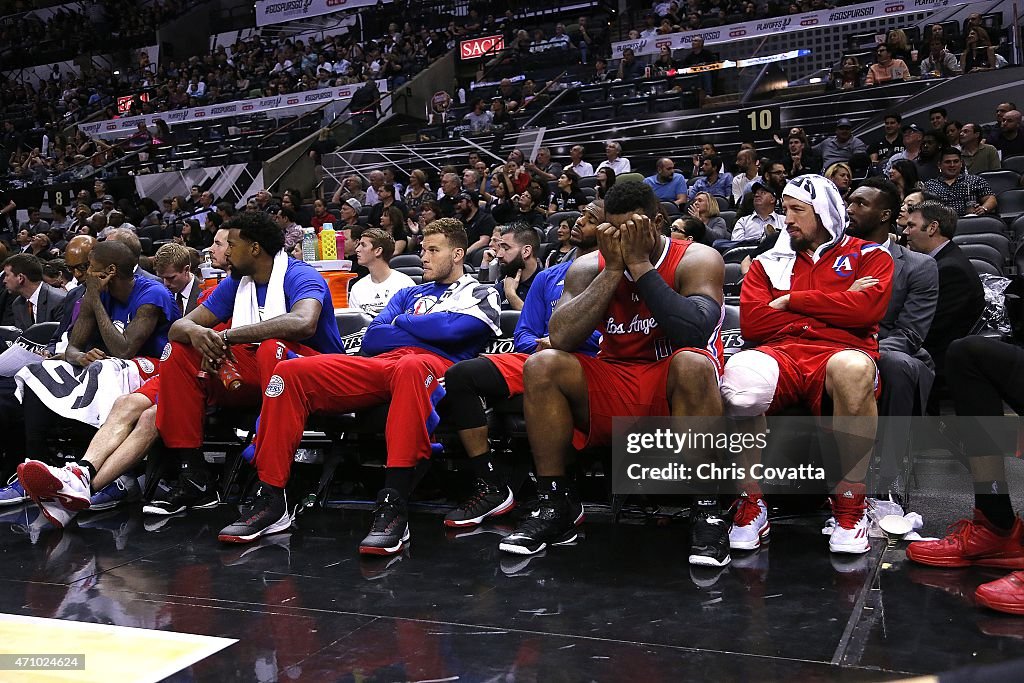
(905, 367)
(812, 305)
(279, 308)
(516, 251)
(119, 445)
(500, 376)
(420, 334)
(479, 224)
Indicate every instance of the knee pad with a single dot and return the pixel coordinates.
(749, 383)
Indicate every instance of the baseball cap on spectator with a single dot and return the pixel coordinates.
(844, 123)
(107, 199)
(354, 203)
(912, 126)
(468, 196)
(759, 185)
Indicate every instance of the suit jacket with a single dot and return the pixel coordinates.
(961, 302)
(915, 296)
(193, 296)
(71, 307)
(49, 307)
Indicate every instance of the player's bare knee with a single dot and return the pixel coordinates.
(148, 418)
(544, 368)
(129, 406)
(851, 373)
(692, 373)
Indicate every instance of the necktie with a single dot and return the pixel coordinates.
(31, 311)
(181, 302)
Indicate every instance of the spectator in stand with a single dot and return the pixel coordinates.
(388, 198)
(392, 221)
(351, 188)
(617, 163)
(903, 174)
(705, 207)
(515, 170)
(688, 229)
(605, 181)
(321, 215)
(979, 54)
(500, 115)
(886, 68)
(912, 136)
(841, 176)
(562, 235)
(848, 77)
(577, 165)
(35, 224)
(668, 185)
(450, 188)
(940, 62)
(371, 294)
(937, 117)
(478, 223)
(801, 158)
(349, 225)
(764, 222)
(601, 74)
(952, 130)
(528, 203)
(899, 47)
(418, 190)
(747, 171)
(664, 63)
(629, 68)
(377, 181)
(479, 117)
(284, 218)
(698, 56)
(470, 181)
(964, 193)
(891, 141)
(568, 197)
(543, 167)
(843, 146)
(712, 180)
(978, 156)
(1010, 141)
(928, 159)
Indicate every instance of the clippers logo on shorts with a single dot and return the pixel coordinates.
(146, 365)
(166, 352)
(843, 265)
(428, 381)
(275, 387)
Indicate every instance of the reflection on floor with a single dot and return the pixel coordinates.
(623, 604)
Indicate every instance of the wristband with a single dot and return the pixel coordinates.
(224, 337)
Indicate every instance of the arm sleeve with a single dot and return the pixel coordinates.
(688, 321)
(759, 321)
(851, 309)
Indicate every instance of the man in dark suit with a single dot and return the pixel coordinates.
(930, 230)
(37, 301)
(173, 265)
(906, 368)
(76, 258)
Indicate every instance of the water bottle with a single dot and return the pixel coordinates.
(229, 375)
(339, 239)
(328, 243)
(308, 244)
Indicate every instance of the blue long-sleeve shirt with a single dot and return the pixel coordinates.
(407, 320)
(538, 306)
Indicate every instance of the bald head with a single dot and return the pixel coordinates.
(78, 249)
(127, 237)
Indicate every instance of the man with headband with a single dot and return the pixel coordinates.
(812, 304)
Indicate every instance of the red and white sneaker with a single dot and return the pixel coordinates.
(60, 492)
(973, 542)
(750, 525)
(850, 509)
(1003, 595)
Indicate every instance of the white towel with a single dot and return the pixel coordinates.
(247, 309)
(822, 194)
(82, 394)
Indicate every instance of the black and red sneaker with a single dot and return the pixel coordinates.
(389, 532)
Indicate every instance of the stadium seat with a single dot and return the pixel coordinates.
(1011, 204)
(410, 270)
(732, 340)
(403, 260)
(589, 183)
(622, 92)
(634, 176)
(737, 254)
(983, 252)
(670, 209)
(729, 217)
(593, 95)
(1002, 180)
(633, 109)
(351, 326)
(1017, 227)
(733, 278)
(557, 217)
(600, 113)
(997, 241)
(980, 225)
(1014, 164)
(984, 267)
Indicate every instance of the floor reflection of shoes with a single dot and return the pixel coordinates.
(243, 554)
(851, 571)
(706, 577)
(35, 525)
(956, 582)
(501, 529)
(1005, 626)
(118, 522)
(376, 567)
(519, 565)
(157, 524)
(17, 514)
(752, 570)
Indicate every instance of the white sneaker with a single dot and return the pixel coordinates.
(60, 492)
(851, 531)
(750, 526)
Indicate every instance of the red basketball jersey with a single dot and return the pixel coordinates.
(630, 333)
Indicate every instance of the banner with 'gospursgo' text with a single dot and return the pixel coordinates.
(762, 28)
(279, 11)
(122, 126)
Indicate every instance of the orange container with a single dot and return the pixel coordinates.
(337, 282)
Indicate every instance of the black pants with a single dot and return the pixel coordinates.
(983, 373)
(465, 383)
(42, 425)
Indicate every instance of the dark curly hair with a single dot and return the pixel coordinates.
(630, 196)
(259, 228)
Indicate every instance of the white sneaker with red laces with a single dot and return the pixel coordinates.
(750, 525)
(851, 531)
(60, 492)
